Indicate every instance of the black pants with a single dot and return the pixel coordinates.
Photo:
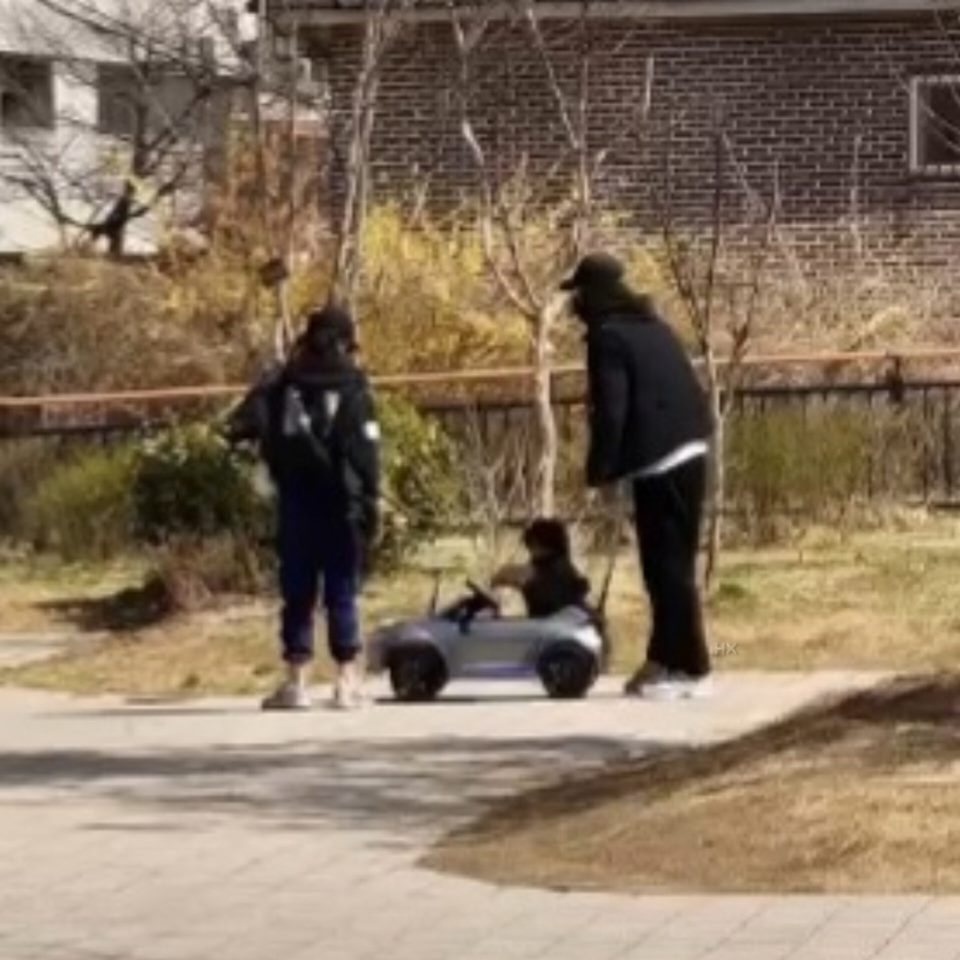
(668, 514)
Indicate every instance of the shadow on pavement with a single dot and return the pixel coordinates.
(407, 786)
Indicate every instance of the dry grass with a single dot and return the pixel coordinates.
(882, 599)
(857, 796)
(125, 646)
(33, 591)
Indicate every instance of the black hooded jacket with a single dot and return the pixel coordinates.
(554, 584)
(645, 398)
(335, 454)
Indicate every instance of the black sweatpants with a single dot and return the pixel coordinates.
(668, 514)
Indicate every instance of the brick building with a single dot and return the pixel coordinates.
(851, 107)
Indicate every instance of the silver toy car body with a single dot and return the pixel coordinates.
(471, 639)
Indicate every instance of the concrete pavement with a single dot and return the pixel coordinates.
(180, 831)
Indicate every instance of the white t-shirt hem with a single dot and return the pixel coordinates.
(677, 458)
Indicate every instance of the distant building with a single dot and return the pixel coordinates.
(853, 105)
(76, 102)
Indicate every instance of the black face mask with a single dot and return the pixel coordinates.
(586, 308)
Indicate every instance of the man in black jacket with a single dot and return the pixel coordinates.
(316, 427)
(649, 424)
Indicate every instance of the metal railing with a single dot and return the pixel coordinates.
(907, 431)
(899, 441)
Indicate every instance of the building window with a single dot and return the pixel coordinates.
(119, 100)
(132, 105)
(935, 125)
(26, 93)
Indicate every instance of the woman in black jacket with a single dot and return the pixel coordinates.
(315, 423)
(649, 424)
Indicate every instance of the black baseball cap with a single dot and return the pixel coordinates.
(595, 269)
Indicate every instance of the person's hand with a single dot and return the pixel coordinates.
(608, 511)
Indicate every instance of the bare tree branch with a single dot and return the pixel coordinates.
(489, 209)
(154, 50)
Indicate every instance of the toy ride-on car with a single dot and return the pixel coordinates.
(471, 638)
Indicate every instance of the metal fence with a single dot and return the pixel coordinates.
(789, 444)
(898, 441)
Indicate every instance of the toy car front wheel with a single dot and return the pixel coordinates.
(417, 674)
(567, 673)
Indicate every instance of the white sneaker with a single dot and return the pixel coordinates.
(692, 688)
(288, 696)
(648, 673)
(660, 689)
(347, 693)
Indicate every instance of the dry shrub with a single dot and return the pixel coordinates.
(83, 508)
(23, 466)
(192, 572)
(74, 324)
(426, 301)
(855, 302)
(801, 467)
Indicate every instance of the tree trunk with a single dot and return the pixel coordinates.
(718, 463)
(113, 227)
(357, 172)
(547, 440)
(117, 241)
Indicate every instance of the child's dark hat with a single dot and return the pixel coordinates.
(332, 322)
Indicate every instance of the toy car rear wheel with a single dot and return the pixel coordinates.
(567, 673)
(417, 674)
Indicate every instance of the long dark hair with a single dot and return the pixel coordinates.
(595, 303)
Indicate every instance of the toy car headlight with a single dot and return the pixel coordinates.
(588, 636)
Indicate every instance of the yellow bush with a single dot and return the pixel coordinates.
(426, 300)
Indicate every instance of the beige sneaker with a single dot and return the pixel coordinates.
(288, 696)
(347, 690)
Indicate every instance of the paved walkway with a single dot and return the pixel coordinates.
(17, 649)
(208, 830)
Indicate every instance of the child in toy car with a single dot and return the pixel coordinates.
(549, 581)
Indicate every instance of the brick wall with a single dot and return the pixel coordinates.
(819, 106)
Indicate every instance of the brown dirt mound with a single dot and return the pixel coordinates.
(856, 795)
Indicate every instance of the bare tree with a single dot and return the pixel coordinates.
(346, 146)
(280, 99)
(721, 308)
(497, 485)
(382, 25)
(534, 227)
(162, 99)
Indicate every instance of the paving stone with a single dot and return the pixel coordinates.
(213, 830)
(496, 948)
(756, 951)
(660, 951)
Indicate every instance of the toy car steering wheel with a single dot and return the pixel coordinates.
(484, 595)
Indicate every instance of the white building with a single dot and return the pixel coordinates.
(80, 95)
